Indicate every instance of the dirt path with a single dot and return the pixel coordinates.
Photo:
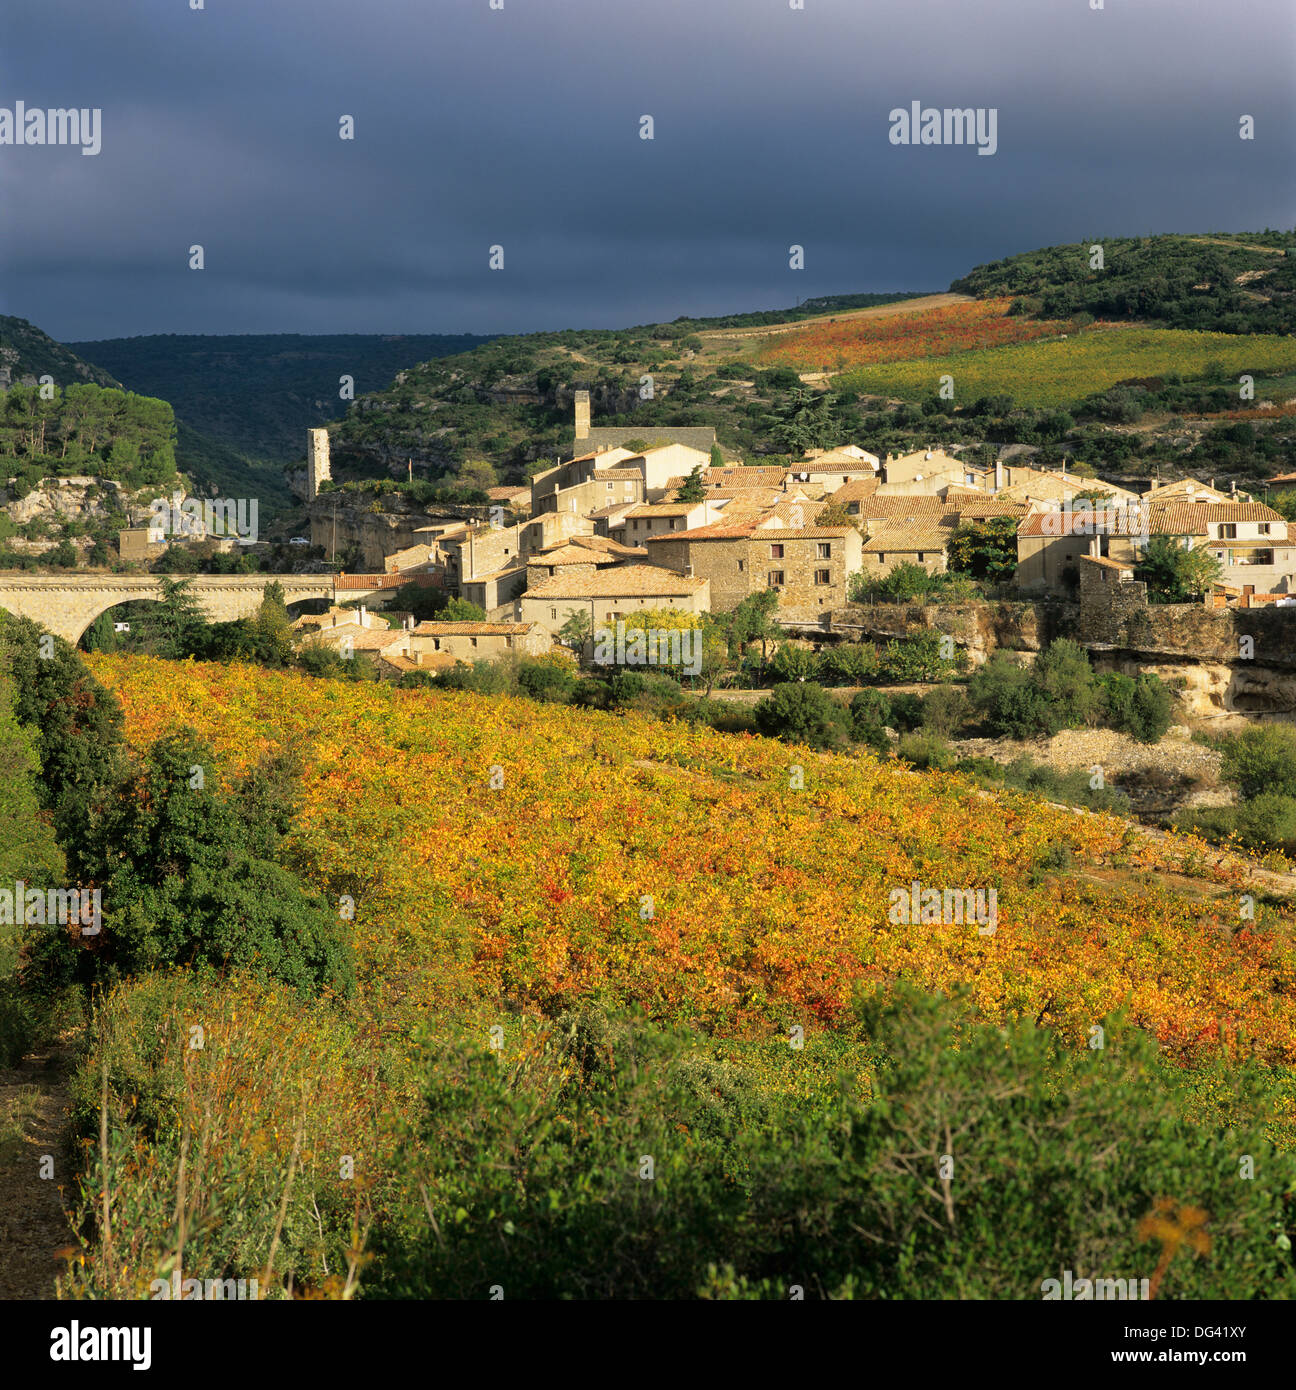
(34, 1102)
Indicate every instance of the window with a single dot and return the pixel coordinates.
(825, 549)
(1228, 531)
(742, 565)
(776, 553)
(473, 641)
(553, 612)
(1263, 528)
(776, 579)
(611, 486)
(921, 557)
(823, 576)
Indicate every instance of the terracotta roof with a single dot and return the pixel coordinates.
(571, 555)
(985, 506)
(1253, 543)
(363, 639)
(645, 580)
(716, 531)
(1107, 563)
(1181, 513)
(608, 474)
(471, 629)
(614, 509)
(857, 488)
(906, 538)
(743, 475)
(896, 505)
(664, 509)
(502, 494)
(603, 544)
(1099, 522)
(801, 533)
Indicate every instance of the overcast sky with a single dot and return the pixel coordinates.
(520, 127)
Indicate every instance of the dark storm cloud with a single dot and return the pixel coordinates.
(520, 127)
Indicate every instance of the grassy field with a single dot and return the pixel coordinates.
(1058, 373)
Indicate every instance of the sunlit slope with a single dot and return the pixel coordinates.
(627, 859)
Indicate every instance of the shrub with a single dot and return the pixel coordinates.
(1264, 822)
(906, 712)
(871, 707)
(542, 680)
(1065, 678)
(849, 663)
(919, 658)
(926, 750)
(1142, 707)
(1261, 759)
(802, 713)
(792, 663)
(945, 711)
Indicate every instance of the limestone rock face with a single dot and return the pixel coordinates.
(70, 499)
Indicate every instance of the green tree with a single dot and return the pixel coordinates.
(985, 549)
(1175, 574)
(460, 610)
(190, 879)
(77, 724)
(752, 620)
(174, 627)
(692, 489)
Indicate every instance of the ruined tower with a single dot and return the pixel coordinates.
(317, 462)
(582, 415)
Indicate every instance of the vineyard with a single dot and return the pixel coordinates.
(680, 869)
(864, 342)
(1059, 373)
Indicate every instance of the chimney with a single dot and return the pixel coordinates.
(582, 415)
(998, 474)
(362, 615)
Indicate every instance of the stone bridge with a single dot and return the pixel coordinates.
(67, 605)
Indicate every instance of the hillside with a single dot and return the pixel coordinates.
(583, 943)
(257, 394)
(1235, 283)
(1127, 371)
(28, 354)
(770, 904)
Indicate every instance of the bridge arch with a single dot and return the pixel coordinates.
(66, 606)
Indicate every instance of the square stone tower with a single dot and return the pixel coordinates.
(317, 462)
(582, 415)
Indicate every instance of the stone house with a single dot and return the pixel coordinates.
(920, 541)
(479, 641)
(808, 565)
(658, 518)
(611, 594)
